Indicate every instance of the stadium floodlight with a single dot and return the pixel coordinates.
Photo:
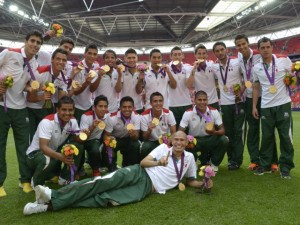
(13, 8)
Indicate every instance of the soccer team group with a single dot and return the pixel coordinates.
(92, 111)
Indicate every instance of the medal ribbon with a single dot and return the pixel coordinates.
(175, 69)
(66, 81)
(248, 71)
(4, 102)
(29, 68)
(224, 79)
(202, 66)
(162, 71)
(125, 121)
(178, 174)
(271, 78)
(207, 118)
(70, 131)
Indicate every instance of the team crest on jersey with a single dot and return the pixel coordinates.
(16, 63)
(119, 124)
(286, 115)
(263, 117)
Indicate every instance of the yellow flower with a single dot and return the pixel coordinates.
(51, 85)
(201, 173)
(76, 151)
(297, 66)
(160, 139)
(195, 141)
(298, 62)
(202, 168)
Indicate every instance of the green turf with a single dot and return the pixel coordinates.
(238, 197)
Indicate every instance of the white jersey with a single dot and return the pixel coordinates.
(254, 58)
(45, 74)
(116, 126)
(129, 82)
(49, 128)
(196, 124)
(156, 83)
(282, 65)
(206, 81)
(180, 96)
(44, 58)
(84, 100)
(234, 76)
(107, 88)
(12, 63)
(166, 120)
(164, 177)
(87, 120)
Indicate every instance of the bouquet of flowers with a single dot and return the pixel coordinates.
(289, 80)
(191, 142)
(142, 67)
(69, 150)
(7, 81)
(206, 172)
(58, 29)
(165, 139)
(50, 88)
(110, 143)
(296, 68)
(236, 88)
(296, 71)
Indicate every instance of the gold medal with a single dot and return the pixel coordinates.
(35, 85)
(80, 66)
(101, 125)
(209, 126)
(159, 64)
(82, 136)
(75, 84)
(122, 67)
(155, 121)
(106, 68)
(175, 63)
(200, 60)
(130, 126)
(272, 89)
(92, 73)
(248, 84)
(225, 88)
(181, 186)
